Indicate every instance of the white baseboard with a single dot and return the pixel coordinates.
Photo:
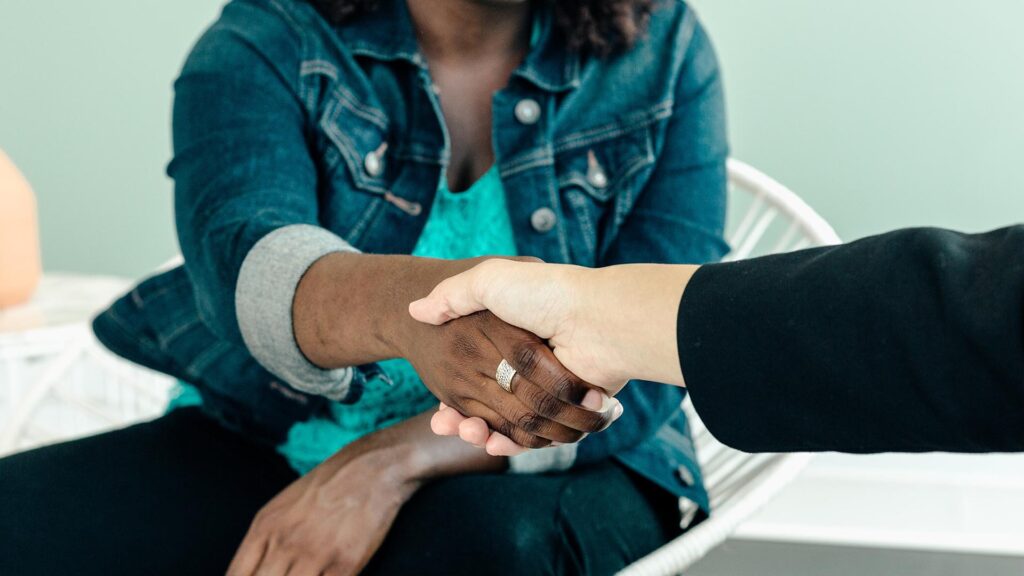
(966, 504)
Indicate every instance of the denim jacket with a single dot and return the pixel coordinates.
(294, 138)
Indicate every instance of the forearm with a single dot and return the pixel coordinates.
(350, 309)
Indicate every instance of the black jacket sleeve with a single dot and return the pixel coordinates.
(910, 341)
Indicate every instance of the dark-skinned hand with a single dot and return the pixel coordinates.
(458, 361)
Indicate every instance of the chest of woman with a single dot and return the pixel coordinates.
(571, 161)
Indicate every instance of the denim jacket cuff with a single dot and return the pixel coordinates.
(554, 459)
(264, 294)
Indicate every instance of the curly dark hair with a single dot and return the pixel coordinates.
(598, 26)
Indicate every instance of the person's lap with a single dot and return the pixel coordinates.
(176, 495)
(594, 521)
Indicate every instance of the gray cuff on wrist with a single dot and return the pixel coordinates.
(554, 459)
(264, 295)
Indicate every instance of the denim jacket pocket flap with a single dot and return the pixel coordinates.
(359, 134)
(600, 167)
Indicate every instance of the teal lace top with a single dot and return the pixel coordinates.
(461, 225)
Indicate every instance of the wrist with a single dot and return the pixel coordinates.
(396, 465)
(416, 455)
(601, 310)
(398, 331)
(404, 468)
(636, 307)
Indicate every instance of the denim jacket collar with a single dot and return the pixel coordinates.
(387, 34)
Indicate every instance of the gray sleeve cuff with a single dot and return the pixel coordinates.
(264, 294)
(554, 459)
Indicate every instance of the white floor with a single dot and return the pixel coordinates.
(748, 558)
(966, 504)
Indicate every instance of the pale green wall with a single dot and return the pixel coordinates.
(85, 96)
(882, 113)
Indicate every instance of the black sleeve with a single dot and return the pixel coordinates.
(910, 341)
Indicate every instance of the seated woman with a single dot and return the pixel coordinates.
(334, 160)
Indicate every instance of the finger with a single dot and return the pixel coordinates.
(537, 362)
(573, 417)
(445, 422)
(500, 445)
(248, 556)
(526, 419)
(500, 423)
(474, 431)
(511, 407)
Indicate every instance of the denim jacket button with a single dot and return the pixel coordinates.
(595, 173)
(528, 111)
(685, 476)
(597, 178)
(373, 164)
(543, 220)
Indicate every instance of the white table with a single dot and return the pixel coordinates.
(56, 381)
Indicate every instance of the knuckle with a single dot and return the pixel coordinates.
(262, 522)
(463, 345)
(569, 388)
(526, 355)
(546, 405)
(280, 542)
(488, 265)
(504, 427)
(529, 422)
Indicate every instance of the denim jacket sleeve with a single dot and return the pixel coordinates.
(246, 191)
(678, 218)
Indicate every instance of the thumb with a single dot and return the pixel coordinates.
(451, 299)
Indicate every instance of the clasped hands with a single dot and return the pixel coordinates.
(546, 404)
(558, 365)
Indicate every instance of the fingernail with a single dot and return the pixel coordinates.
(618, 410)
(595, 400)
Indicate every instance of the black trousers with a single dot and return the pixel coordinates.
(176, 495)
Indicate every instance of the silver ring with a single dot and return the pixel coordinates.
(504, 375)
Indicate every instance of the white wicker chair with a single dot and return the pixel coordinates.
(773, 220)
(84, 390)
(56, 381)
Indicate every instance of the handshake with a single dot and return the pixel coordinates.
(594, 330)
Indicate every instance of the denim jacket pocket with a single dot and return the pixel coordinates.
(599, 179)
(355, 159)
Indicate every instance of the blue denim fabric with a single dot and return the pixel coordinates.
(276, 112)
